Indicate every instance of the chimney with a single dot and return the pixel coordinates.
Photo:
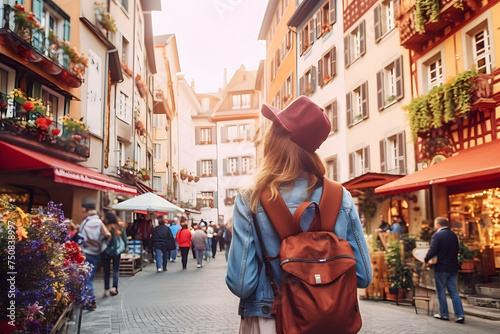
(224, 84)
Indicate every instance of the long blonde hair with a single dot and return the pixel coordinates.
(283, 162)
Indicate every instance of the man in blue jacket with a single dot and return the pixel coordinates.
(444, 244)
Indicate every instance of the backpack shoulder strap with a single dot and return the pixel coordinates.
(329, 205)
(278, 213)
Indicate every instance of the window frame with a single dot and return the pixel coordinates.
(232, 166)
(207, 167)
(332, 113)
(123, 114)
(332, 168)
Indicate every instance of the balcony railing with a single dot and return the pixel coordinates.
(32, 130)
(418, 24)
(32, 44)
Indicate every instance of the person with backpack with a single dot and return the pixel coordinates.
(298, 252)
(94, 233)
(116, 247)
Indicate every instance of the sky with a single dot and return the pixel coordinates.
(212, 35)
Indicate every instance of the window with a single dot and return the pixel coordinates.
(306, 36)
(157, 152)
(54, 104)
(123, 107)
(94, 117)
(383, 19)
(205, 104)
(121, 154)
(232, 133)
(4, 79)
(355, 44)
(390, 84)
(289, 87)
(245, 165)
(232, 166)
(138, 155)
(206, 199)
(359, 162)
(331, 112)
(325, 18)
(158, 120)
(244, 132)
(206, 136)
(125, 46)
(241, 101)
(308, 82)
(393, 154)
(332, 169)
(231, 193)
(157, 183)
(435, 73)
(124, 4)
(207, 168)
(326, 67)
(53, 18)
(481, 51)
(357, 104)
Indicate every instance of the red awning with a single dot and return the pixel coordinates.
(472, 165)
(14, 158)
(368, 180)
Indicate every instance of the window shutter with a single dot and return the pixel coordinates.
(377, 23)
(347, 57)
(311, 32)
(333, 60)
(214, 167)
(351, 165)
(37, 90)
(301, 41)
(223, 134)
(38, 39)
(401, 152)
(364, 99)
(302, 82)
(348, 99)
(334, 116)
(362, 39)
(216, 199)
(197, 135)
(319, 30)
(398, 64)
(66, 30)
(313, 79)
(335, 170)
(199, 172)
(383, 167)
(366, 156)
(38, 9)
(272, 69)
(332, 11)
(380, 90)
(320, 72)
(213, 132)
(224, 166)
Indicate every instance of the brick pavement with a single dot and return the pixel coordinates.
(198, 301)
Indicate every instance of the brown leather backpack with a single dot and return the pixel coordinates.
(318, 292)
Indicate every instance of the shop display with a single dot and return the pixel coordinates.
(46, 273)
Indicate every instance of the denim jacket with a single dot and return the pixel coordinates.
(246, 276)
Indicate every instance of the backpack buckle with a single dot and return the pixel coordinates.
(317, 277)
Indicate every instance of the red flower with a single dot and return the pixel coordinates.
(19, 7)
(3, 105)
(41, 120)
(42, 126)
(49, 122)
(28, 106)
(55, 132)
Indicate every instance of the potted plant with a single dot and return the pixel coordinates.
(184, 174)
(465, 258)
(400, 276)
(196, 178)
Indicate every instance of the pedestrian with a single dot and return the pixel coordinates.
(291, 167)
(183, 239)
(145, 235)
(215, 238)
(113, 252)
(174, 227)
(220, 233)
(396, 227)
(163, 242)
(199, 244)
(444, 245)
(227, 236)
(194, 227)
(209, 230)
(94, 233)
(384, 225)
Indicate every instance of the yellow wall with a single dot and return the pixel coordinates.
(495, 14)
(289, 63)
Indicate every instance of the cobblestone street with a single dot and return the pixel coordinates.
(198, 301)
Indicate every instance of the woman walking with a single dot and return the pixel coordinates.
(184, 240)
(117, 245)
(292, 169)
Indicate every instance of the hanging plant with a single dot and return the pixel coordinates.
(463, 88)
(426, 11)
(436, 105)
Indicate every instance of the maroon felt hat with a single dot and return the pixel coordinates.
(306, 122)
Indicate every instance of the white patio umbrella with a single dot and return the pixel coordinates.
(147, 202)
